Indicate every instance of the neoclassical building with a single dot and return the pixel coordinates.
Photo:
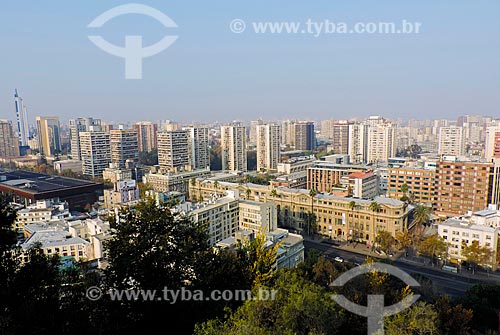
(335, 216)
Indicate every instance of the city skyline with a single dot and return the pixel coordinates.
(448, 69)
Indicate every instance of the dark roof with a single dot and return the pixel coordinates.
(32, 182)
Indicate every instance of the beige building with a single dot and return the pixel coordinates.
(381, 142)
(420, 182)
(362, 185)
(124, 193)
(74, 165)
(296, 164)
(492, 146)
(257, 216)
(173, 151)
(333, 216)
(169, 182)
(49, 135)
(324, 176)
(146, 135)
(199, 153)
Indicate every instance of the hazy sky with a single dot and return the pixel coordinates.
(210, 73)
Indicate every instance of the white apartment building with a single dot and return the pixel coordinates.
(257, 216)
(199, 154)
(95, 151)
(457, 233)
(123, 147)
(233, 146)
(362, 185)
(451, 141)
(492, 147)
(296, 164)
(42, 211)
(268, 147)
(381, 142)
(358, 143)
(173, 151)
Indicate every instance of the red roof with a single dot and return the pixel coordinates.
(360, 175)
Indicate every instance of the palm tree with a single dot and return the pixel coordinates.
(404, 238)
(312, 194)
(374, 207)
(273, 193)
(421, 215)
(404, 189)
(352, 205)
(248, 192)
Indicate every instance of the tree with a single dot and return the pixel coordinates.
(404, 238)
(421, 216)
(149, 157)
(262, 259)
(375, 207)
(477, 255)
(404, 189)
(385, 240)
(419, 319)
(248, 192)
(7, 217)
(433, 246)
(299, 307)
(273, 193)
(453, 318)
(324, 271)
(312, 216)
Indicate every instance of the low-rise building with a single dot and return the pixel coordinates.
(324, 176)
(173, 181)
(420, 183)
(74, 165)
(361, 185)
(42, 211)
(296, 164)
(124, 193)
(292, 180)
(459, 233)
(115, 174)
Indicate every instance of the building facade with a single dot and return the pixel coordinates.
(146, 135)
(123, 147)
(268, 147)
(9, 143)
(323, 176)
(49, 135)
(95, 152)
(199, 152)
(233, 148)
(305, 138)
(173, 151)
(79, 125)
(451, 141)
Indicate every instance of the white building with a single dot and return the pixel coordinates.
(257, 216)
(95, 152)
(123, 147)
(268, 147)
(358, 143)
(173, 151)
(381, 142)
(42, 211)
(233, 147)
(362, 185)
(74, 165)
(296, 164)
(199, 154)
(451, 141)
(458, 233)
(492, 147)
(80, 125)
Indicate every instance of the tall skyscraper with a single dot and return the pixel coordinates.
(358, 143)
(199, 154)
(305, 139)
(492, 147)
(79, 125)
(22, 120)
(146, 135)
(268, 147)
(233, 147)
(49, 135)
(95, 152)
(381, 141)
(253, 130)
(123, 147)
(288, 132)
(173, 151)
(451, 141)
(9, 143)
(340, 137)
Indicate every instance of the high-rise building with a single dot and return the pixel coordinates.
(451, 141)
(340, 137)
(233, 147)
(95, 151)
(381, 141)
(305, 139)
(22, 120)
(288, 132)
(358, 143)
(199, 154)
(492, 147)
(75, 127)
(173, 151)
(9, 143)
(146, 135)
(253, 130)
(268, 147)
(49, 135)
(123, 147)
(327, 128)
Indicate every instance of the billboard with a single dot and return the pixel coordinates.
(123, 184)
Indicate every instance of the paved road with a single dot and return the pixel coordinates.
(447, 283)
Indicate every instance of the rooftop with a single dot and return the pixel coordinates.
(32, 182)
(462, 224)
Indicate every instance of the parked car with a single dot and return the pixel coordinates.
(339, 259)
